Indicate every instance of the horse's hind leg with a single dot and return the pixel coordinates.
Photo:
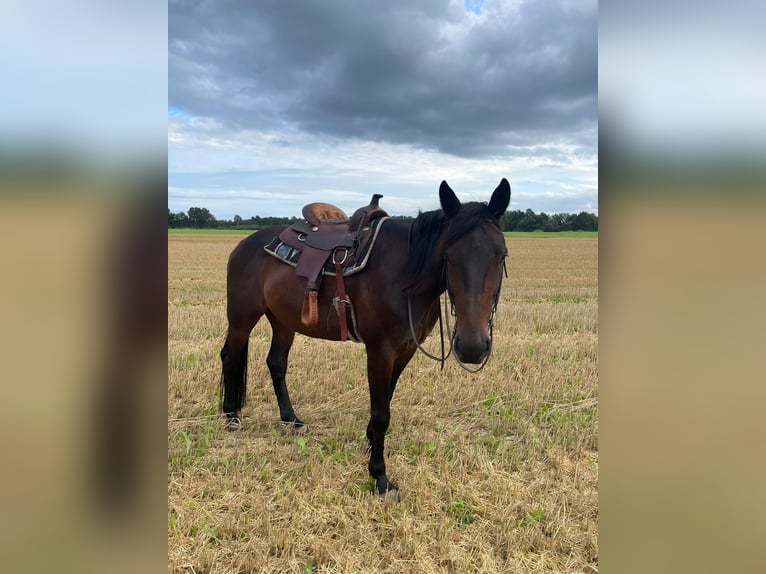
(234, 383)
(281, 342)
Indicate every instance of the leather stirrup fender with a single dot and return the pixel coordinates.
(310, 309)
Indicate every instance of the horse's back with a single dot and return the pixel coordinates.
(250, 249)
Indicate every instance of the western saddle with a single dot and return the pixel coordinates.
(325, 236)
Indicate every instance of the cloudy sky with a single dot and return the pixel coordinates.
(274, 104)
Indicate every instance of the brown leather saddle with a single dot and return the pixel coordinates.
(327, 237)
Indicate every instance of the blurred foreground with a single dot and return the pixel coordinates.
(682, 174)
(82, 295)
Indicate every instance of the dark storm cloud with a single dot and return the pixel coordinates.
(430, 74)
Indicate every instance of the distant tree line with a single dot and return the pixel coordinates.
(517, 220)
(201, 218)
(528, 220)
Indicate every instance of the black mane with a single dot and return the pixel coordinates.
(432, 230)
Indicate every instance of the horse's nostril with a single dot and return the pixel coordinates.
(472, 349)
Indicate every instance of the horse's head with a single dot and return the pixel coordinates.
(474, 265)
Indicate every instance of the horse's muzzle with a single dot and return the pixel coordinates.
(472, 348)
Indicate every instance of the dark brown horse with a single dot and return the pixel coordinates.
(459, 249)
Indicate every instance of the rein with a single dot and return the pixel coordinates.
(444, 357)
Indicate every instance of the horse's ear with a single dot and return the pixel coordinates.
(501, 197)
(450, 202)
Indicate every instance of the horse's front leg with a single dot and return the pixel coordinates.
(379, 370)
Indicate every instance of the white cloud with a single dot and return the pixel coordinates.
(354, 169)
(435, 91)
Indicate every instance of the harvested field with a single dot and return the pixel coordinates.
(498, 470)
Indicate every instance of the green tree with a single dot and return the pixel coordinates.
(549, 223)
(176, 220)
(563, 221)
(529, 222)
(585, 221)
(510, 220)
(200, 217)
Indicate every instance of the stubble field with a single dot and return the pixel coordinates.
(497, 471)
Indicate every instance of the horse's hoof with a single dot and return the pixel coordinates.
(232, 423)
(296, 427)
(387, 491)
(390, 495)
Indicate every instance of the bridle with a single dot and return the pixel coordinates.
(490, 320)
(453, 333)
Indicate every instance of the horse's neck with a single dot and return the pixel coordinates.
(435, 284)
(432, 282)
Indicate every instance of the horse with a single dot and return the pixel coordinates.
(459, 249)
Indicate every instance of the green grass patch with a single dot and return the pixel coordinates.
(544, 234)
(553, 234)
(534, 517)
(462, 512)
(189, 231)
